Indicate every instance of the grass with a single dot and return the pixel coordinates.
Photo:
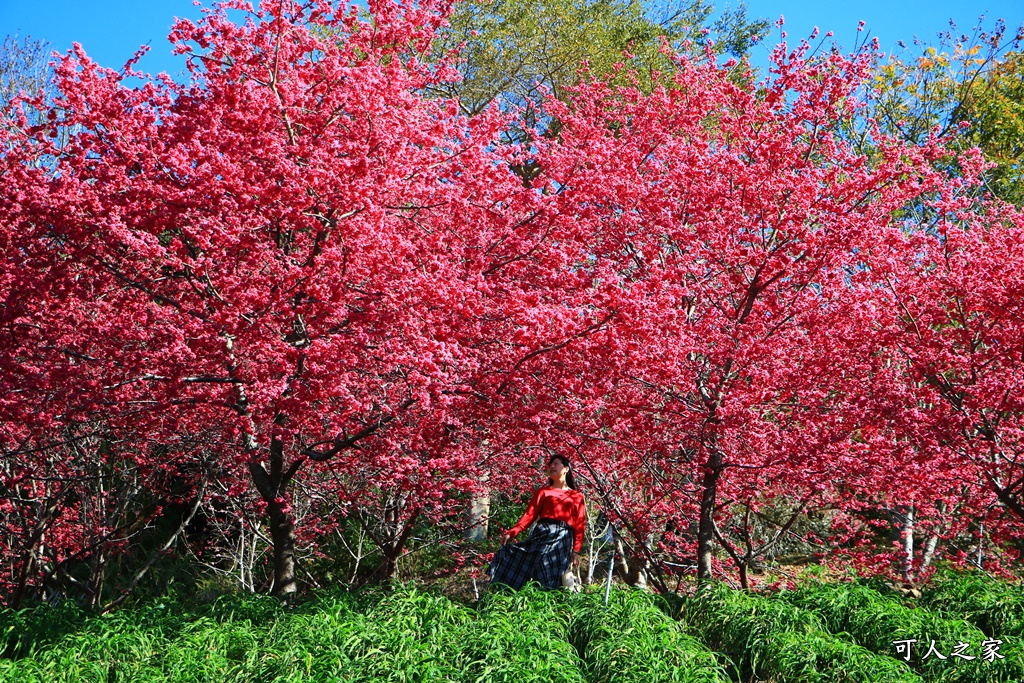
(771, 639)
(25, 630)
(995, 607)
(522, 637)
(409, 636)
(403, 634)
(874, 621)
(635, 641)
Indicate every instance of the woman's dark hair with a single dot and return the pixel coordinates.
(569, 481)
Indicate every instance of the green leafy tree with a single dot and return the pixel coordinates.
(517, 50)
(995, 111)
(970, 88)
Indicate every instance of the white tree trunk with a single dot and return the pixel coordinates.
(479, 511)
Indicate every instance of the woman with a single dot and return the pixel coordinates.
(556, 540)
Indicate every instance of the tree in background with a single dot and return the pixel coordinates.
(995, 112)
(24, 68)
(519, 51)
(83, 509)
(965, 87)
(955, 337)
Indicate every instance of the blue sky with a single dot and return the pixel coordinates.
(888, 20)
(111, 30)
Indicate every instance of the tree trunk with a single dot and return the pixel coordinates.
(27, 568)
(282, 534)
(479, 510)
(929, 551)
(632, 565)
(272, 487)
(706, 528)
(932, 544)
(393, 544)
(620, 555)
(390, 567)
(97, 568)
(908, 546)
(1011, 497)
(903, 533)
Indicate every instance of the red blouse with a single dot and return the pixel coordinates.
(565, 505)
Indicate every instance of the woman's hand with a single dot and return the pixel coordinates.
(505, 538)
(575, 559)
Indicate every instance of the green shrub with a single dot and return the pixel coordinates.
(875, 621)
(522, 637)
(995, 607)
(28, 629)
(769, 638)
(403, 633)
(635, 641)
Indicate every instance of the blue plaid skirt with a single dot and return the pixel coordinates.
(543, 558)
